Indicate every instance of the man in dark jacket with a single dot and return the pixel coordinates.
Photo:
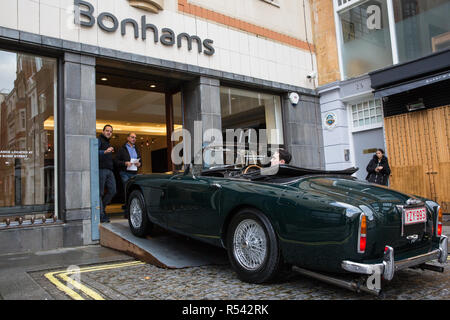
(378, 170)
(128, 159)
(106, 174)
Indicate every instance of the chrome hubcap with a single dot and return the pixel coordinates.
(135, 213)
(249, 244)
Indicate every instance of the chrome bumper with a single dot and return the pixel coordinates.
(388, 267)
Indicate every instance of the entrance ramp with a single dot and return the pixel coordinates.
(161, 248)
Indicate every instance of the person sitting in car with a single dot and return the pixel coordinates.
(281, 156)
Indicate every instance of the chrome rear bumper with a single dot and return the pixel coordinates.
(388, 267)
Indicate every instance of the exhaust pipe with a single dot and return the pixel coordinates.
(354, 286)
(431, 267)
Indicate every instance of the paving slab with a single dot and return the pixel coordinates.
(162, 248)
(17, 284)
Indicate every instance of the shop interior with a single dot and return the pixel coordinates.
(144, 103)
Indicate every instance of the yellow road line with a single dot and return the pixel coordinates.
(50, 276)
(105, 267)
(63, 274)
(94, 295)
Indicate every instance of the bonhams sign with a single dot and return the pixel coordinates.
(108, 22)
(148, 5)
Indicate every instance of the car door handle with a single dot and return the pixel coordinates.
(215, 186)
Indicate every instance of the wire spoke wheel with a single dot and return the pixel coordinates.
(250, 244)
(136, 213)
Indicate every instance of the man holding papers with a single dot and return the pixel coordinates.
(128, 159)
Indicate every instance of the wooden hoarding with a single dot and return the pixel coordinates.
(418, 146)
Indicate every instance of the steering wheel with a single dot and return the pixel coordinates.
(251, 166)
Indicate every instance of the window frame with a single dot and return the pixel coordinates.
(278, 95)
(340, 8)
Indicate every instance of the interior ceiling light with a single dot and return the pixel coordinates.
(104, 79)
(122, 128)
(153, 86)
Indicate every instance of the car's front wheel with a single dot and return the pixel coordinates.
(253, 247)
(137, 214)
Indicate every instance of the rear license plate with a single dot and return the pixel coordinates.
(415, 215)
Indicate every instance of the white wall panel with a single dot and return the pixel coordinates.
(235, 51)
(28, 16)
(8, 14)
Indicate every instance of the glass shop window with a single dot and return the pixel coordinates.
(366, 38)
(255, 121)
(27, 143)
(243, 109)
(422, 27)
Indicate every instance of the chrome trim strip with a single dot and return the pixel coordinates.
(402, 214)
(414, 202)
(403, 221)
(413, 261)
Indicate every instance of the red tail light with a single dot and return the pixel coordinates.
(362, 234)
(362, 244)
(439, 222)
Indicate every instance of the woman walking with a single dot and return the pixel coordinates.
(378, 170)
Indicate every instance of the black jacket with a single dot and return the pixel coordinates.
(381, 177)
(124, 156)
(105, 161)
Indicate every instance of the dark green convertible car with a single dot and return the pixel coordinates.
(325, 223)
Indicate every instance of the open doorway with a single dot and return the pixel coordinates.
(150, 109)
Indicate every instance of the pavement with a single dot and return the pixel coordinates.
(22, 278)
(15, 269)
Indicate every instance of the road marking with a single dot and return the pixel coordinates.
(51, 277)
(106, 267)
(94, 295)
(64, 275)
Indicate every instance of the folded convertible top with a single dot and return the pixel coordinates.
(287, 170)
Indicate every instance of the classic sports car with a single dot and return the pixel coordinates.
(319, 221)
